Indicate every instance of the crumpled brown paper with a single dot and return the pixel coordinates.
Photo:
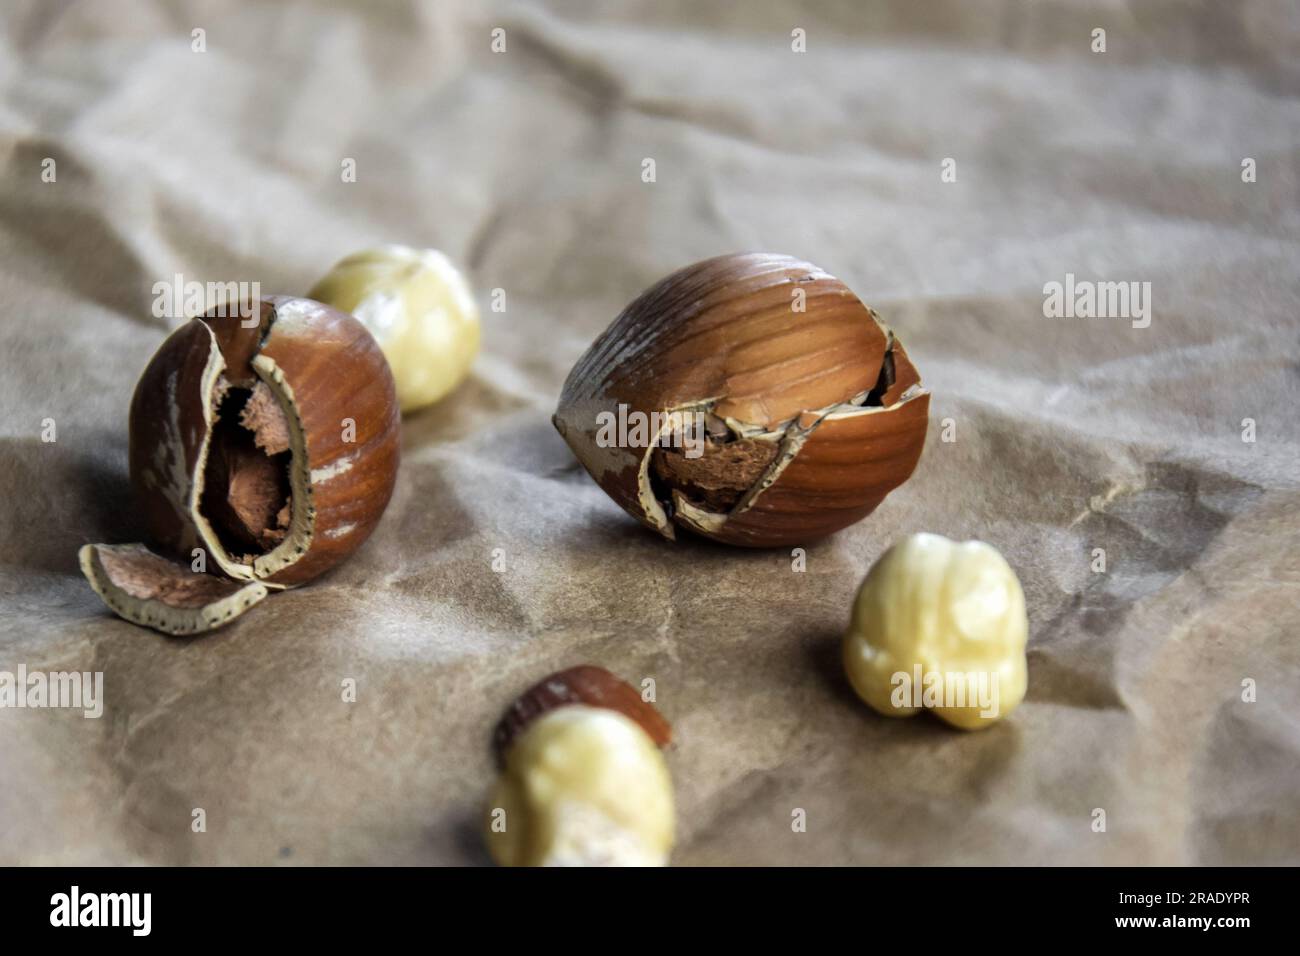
(1049, 437)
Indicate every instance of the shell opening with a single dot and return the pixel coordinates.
(247, 498)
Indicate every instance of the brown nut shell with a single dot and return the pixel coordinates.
(585, 684)
(155, 592)
(814, 410)
(268, 442)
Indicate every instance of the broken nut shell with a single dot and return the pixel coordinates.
(144, 588)
(779, 408)
(265, 442)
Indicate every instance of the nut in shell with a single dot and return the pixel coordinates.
(267, 444)
(779, 408)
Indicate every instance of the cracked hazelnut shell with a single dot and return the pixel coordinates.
(809, 418)
(270, 443)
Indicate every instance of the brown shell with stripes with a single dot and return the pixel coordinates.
(777, 408)
(264, 447)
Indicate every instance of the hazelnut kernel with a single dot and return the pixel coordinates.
(939, 625)
(582, 786)
(420, 310)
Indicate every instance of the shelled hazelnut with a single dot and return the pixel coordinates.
(420, 310)
(939, 625)
(583, 782)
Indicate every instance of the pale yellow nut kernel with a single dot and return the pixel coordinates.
(419, 309)
(582, 786)
(939, 625)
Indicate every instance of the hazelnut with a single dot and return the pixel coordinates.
(939, 625)
(752, 399)
(583, 782)
(267, 444)
(419, 309)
